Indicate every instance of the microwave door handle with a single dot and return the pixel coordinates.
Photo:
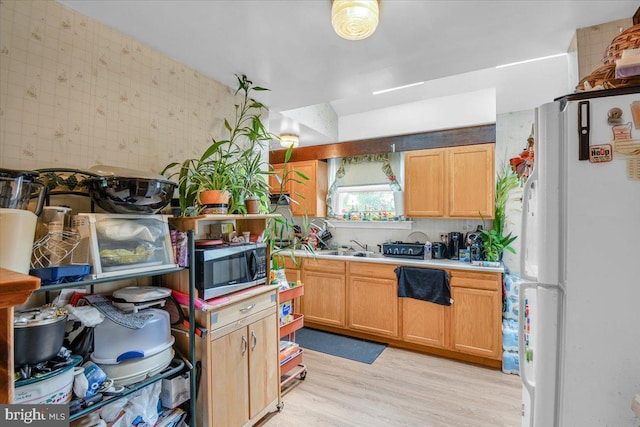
(254, 264)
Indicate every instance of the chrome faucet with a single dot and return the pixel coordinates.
(364, 247)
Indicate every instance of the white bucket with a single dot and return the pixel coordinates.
(17, 229)
(54, 390)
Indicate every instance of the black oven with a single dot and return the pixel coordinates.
(221, 270)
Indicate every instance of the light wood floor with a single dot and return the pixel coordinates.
(401, 388)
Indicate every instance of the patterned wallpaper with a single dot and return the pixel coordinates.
(75, 93)
(593, 43)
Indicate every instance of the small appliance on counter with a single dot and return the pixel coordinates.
(403, 250)
(456, 242)
(439, 250)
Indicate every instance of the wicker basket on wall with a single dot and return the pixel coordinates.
(605, 75)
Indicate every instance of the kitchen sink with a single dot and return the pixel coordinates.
(359, 254)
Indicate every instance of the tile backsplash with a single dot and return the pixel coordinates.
(75, 93)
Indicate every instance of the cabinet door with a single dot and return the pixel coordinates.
(324, 298)
(263, 364)
(274, 184)
(373, 305)
(424, 183)
(471, 171)
(476, 319)
(423, 322)
(229, 370)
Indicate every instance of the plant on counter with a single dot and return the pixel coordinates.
(494, 241)
(233, 165)
(280, 227)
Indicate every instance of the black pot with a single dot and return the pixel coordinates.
(38, 341)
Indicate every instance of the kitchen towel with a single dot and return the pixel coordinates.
(424, 284)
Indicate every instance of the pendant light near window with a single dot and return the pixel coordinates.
(354, 19)
(289, 140)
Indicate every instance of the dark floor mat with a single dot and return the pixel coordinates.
(339, 345)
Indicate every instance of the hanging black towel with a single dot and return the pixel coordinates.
(424, 284)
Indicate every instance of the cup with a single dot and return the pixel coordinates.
(246, 236)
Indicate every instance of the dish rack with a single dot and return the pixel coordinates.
(54, 248)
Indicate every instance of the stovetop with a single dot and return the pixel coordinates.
(400, 249)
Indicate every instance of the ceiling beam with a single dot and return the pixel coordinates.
(417, 141)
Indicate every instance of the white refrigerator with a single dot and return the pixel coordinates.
(580, 306)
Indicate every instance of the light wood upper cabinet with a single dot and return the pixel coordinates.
(470, 178)
(476, 313)
(308, 196)
(372, 295)
(453, 182)
(425, 183)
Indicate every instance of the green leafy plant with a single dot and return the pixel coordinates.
(228, 164)
(495, 241)
(280, 227)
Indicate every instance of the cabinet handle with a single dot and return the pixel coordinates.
(244, 344)
(254, 340)
(247, 308)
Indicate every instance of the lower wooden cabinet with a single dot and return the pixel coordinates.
(476, 314)
(324, 292)
(424, 322)
(372, 295)
(360, 298)
(240, 380)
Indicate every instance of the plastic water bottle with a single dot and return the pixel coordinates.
(427, 250)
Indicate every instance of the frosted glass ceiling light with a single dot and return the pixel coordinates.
(354, 19)
(288, 140)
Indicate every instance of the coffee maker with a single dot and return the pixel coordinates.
(456, 242)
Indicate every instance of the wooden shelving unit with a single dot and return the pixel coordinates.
(293, 367)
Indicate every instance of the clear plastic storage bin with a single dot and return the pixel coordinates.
(117, 244)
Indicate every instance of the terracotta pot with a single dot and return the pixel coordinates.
(252, 205)
(214, 197)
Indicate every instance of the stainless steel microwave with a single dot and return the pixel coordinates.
(221, 270)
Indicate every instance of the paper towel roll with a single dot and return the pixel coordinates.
(398, 200)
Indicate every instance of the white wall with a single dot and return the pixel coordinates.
(467, 109)
(463, 100)
(512, 131)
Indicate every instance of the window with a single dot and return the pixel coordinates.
(365, 188)
(364, 202)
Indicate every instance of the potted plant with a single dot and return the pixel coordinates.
(227, 164)
(252, 186)
(494, 241)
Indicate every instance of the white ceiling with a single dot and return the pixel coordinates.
(290, 47)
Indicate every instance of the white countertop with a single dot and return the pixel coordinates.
(433, 263)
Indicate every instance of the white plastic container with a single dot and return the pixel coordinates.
(136, 370)
(114, 343)
(125, 244)
(56, 389)
(17, 228)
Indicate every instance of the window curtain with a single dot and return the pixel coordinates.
(367, 158)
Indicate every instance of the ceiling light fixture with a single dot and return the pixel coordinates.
(531, 60)
(378, 92)
(354, 19)
(289, 140)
